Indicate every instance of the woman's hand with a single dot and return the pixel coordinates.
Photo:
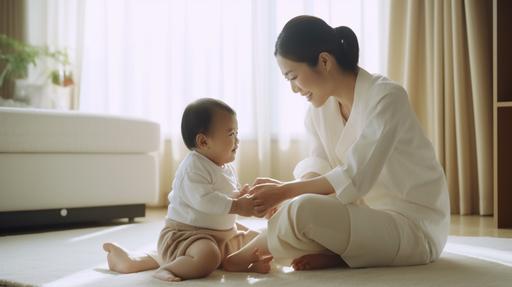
(260, 180)
(243, 191)
(266, 196)
(271, 212)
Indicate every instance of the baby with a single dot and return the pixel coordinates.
(200, 229)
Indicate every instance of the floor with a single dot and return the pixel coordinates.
(474, 225)
(469, 225)
(473, 256)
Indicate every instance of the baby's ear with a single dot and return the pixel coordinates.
(201, 140)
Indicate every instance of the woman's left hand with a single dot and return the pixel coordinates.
(260, 180)
(267, 196)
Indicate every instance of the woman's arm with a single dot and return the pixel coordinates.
(317, 185)
(261, 180)
(268, 195)
(310, 175)
(269, 211)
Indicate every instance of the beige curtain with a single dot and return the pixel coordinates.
(12, 24)
(441, 51)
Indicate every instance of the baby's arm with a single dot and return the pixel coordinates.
(197, 190)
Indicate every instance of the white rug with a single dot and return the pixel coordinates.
(75, 258)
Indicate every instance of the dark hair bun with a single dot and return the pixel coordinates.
(304, 37)
(349, 47)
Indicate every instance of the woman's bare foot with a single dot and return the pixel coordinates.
(166, 275)
(118, 259)
(317, 261)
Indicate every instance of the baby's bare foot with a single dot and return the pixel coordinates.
(259, 263)
(166, 275)
(261, 266)
(317, 261)
(118, 259)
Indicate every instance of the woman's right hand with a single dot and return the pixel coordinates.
(267, 196)
(271, 212)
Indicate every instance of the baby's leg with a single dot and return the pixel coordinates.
(253, 257)
(201, 258)
(119, 260)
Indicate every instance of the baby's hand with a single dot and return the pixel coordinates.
(243, 205)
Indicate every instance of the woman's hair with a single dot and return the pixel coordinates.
(304, 37)
(197, 118)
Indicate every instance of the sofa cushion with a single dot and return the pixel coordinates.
(32, 130)
(32, 181)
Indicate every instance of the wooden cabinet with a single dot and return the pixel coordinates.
(502, 112)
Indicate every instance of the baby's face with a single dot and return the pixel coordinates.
(223, 138)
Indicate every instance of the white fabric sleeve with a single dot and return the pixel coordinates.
(235, 176)
(367, 156)
(317, 160)
(198, 192)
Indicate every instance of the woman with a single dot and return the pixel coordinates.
(371, 192)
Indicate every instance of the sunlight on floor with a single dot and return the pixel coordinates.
(252, 280)
(482, 253)
(85, 277)
(286, 269)
(94, 234)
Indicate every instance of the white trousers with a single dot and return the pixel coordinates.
(362, 236)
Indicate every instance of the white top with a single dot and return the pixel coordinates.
(201, 193)
(380, 157)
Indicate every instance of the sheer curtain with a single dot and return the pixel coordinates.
(151, 58)
(56, 24)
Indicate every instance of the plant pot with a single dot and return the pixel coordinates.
(61, 97)
(31, 93)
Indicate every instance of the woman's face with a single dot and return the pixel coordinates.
(311, 83)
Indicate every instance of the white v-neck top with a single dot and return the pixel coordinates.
(380, 157)
(202, 193)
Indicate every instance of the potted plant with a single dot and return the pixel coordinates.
(62, 88)
(16, 57)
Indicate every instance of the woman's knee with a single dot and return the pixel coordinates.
(303, 209)
(312, 209)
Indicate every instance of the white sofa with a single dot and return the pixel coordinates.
(62, 167)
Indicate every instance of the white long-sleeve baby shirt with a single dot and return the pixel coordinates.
(202, 193)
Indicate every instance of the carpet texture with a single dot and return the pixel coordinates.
(75, 258)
